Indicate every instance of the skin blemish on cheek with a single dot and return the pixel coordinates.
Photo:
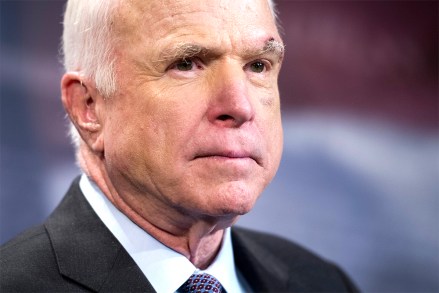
(268, 100)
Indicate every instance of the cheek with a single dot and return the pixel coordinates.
(274, 152)
(129, 132)
(277, 146)
(150, 137)
(273, 134)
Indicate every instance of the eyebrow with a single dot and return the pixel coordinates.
(188, 50)
(183, 51)
(274, 47)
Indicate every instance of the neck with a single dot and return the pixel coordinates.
(197, 237)
(199, 240)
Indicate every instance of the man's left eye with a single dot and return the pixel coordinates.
(257, 66)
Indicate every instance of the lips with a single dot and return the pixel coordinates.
(228, 145)
(227, 154)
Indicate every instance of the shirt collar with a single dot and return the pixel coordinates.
(164, 268)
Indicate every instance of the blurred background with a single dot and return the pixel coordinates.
(359, 179)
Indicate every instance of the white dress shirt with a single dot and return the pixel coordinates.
(164, 268)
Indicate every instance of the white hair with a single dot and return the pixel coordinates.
(87, 46)
(273, 9)
(88, 43)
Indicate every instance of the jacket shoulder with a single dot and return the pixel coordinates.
(28, 264)
(294, 267)
(72, 252)
(25, 253)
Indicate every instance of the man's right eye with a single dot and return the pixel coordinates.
(186, 68)
(184, 65)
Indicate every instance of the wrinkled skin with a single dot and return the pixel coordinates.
(193, 134)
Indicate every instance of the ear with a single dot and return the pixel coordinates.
(85, 107)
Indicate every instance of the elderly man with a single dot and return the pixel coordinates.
(176, 118)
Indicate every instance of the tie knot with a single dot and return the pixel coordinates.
(202, 283)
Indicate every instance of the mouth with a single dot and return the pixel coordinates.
(227, 155)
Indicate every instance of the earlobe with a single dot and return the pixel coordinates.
(83, 104)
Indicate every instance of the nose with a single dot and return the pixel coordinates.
(230, 104)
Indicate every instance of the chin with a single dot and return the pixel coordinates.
(233, 201)
(228, 199)
(232, 210)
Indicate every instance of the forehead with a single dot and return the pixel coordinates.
(182, 19)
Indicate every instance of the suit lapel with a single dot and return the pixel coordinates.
(259, 268)
(271, 264)
(87, 252)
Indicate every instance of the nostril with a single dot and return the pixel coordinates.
(224, 117)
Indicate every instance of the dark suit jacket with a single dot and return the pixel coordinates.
(74, 251)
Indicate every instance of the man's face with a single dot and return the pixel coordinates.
(195, 124)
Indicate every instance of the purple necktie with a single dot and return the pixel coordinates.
(201, 283)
